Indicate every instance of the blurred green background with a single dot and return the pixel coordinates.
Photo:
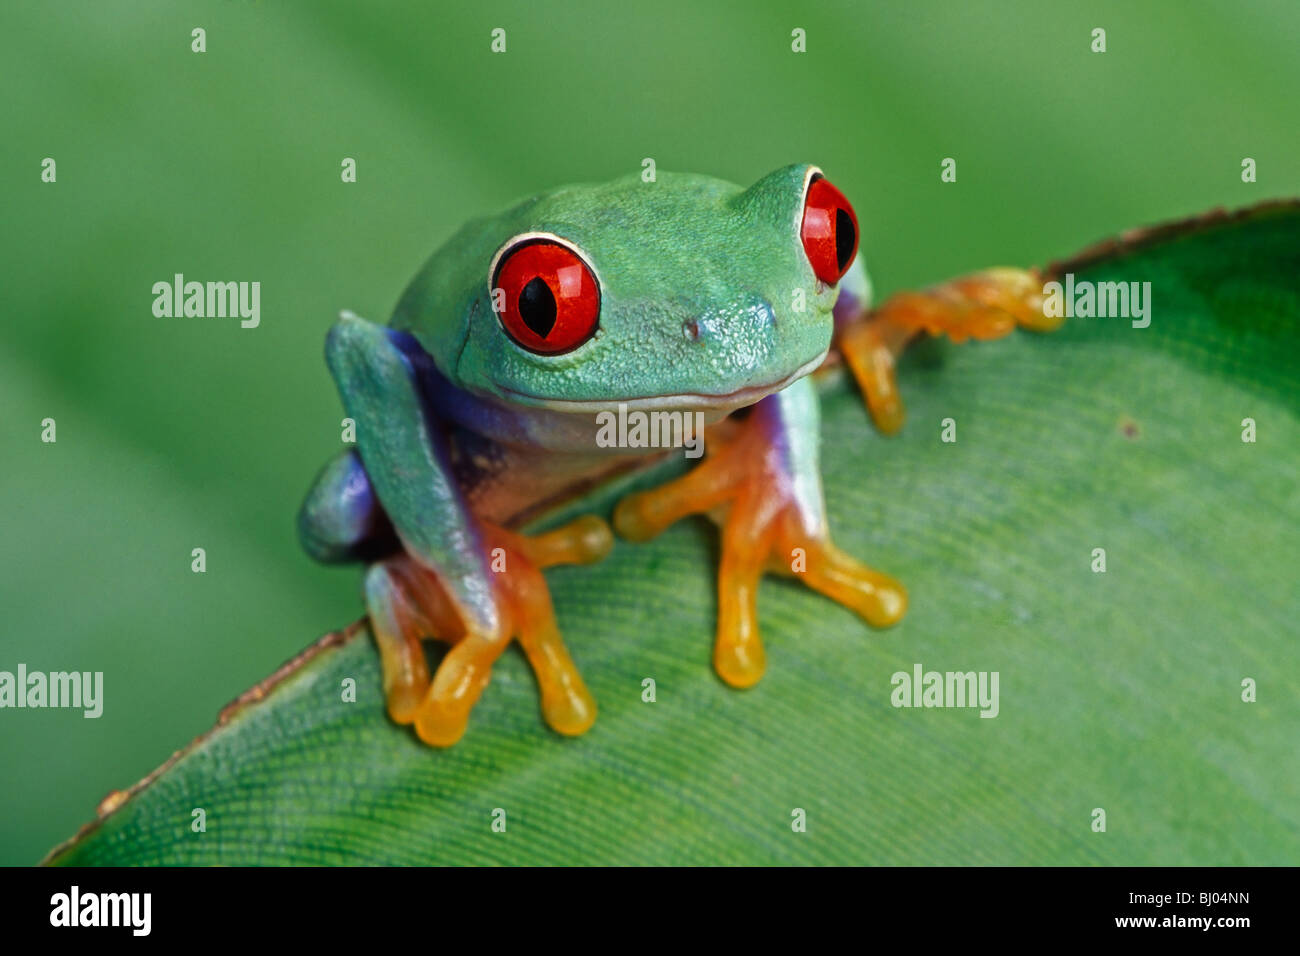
(183, 433)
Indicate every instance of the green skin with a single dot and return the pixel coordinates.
(697, 280)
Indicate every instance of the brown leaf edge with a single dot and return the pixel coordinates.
(1135, 240)
(116, 799)
(1125, 244)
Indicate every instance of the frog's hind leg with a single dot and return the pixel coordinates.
(984, 305)
(341, 519)
(403, 604)
(763, 485)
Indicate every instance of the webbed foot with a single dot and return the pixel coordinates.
(762, 486)
(407, 602)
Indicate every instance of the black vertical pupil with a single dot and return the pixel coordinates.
(845, 238)
(537, 307)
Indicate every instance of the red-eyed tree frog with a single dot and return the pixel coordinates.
(483, 393)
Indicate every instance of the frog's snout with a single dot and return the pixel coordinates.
(749, 321)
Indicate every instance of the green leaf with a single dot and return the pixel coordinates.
(1120, 690)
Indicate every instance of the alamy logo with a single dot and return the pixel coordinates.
(638, 429)
(923, 688)
(208, 300)
(75, 908)
(1085, 300)
(75, 689)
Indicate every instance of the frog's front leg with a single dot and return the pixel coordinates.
(764, 485)
(456, 578)
(407, 601)
(983, 305)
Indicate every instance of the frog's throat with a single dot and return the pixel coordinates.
(728, 401)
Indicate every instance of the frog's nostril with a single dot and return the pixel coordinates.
(691, 329)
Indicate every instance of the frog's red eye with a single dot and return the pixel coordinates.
(549, 301)
(829, 231)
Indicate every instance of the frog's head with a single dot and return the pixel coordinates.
(684, 292)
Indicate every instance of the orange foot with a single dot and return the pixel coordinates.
(985, 305)
(756, 482)
(407, 603)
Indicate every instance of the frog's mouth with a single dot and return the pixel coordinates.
(721, 402)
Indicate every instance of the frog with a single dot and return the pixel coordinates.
(480, 398)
